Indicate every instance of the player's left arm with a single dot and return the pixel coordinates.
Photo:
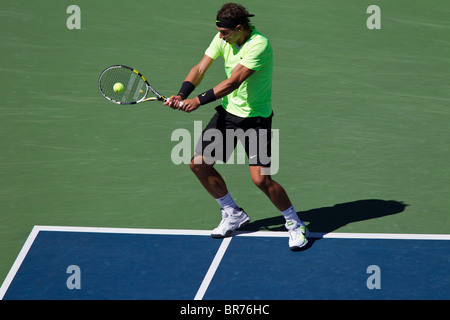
(238, 76)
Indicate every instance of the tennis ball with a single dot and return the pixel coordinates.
(118, 87)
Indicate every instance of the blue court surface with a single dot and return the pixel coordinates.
(109, 263)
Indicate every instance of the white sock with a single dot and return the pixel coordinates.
(227, 203)
(291, 214)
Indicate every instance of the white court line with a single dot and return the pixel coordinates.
(212, 269)
(220, 252)
(22, 254)
(276, 234)
(125, 230)
(339, 235)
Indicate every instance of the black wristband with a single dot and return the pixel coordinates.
(186, 89)
(207, 97)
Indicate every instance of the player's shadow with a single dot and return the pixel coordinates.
(329, 219)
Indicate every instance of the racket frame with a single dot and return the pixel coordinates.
(157, 96)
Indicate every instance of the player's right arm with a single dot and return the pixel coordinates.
(195, 76)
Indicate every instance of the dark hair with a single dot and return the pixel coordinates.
(235, 12)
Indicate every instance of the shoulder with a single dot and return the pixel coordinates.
(216, 47)
(259, 42)
(217, 40)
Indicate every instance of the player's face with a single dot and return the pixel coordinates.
(229, 35)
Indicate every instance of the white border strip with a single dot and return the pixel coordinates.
(276, 234)
(125, 230)
(338, 235)
(392, 236)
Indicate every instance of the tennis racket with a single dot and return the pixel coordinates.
(133, 87)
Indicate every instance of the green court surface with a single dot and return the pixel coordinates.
(363, 117)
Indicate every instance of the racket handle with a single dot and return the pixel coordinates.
(181, 102)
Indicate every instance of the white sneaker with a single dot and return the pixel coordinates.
(229, 223)
(298, 234)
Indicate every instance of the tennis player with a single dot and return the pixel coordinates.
(246, 108)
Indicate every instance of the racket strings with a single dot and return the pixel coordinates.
(134, 90)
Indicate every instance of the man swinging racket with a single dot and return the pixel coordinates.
(246, 107)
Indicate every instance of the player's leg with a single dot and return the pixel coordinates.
(274, 191)
(208, 176)
(212, 147)
(298, 232)
(259, 152)
(233, 217)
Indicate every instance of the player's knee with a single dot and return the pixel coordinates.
(261, 181)
(195, 167)
(199, 163)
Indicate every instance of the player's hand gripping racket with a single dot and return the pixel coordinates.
(125, 85)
